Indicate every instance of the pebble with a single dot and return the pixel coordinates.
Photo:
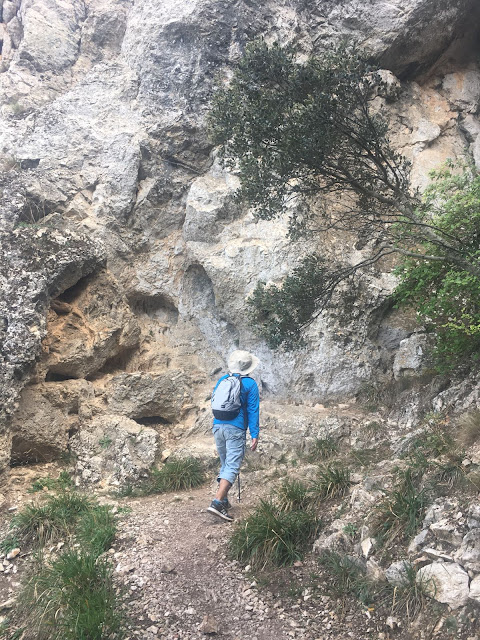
(13, 553)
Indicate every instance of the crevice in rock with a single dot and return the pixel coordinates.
(73, 292)
(57, 377)
(35, 208)
(157, 307)
(24, 452)
(151, 420)
(116, 364)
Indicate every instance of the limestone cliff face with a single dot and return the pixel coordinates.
(116, 215)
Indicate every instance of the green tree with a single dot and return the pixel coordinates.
(307, 133)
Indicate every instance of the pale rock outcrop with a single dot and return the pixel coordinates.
(36, 265)
(103, 121)
(446, 582)
(113, 450)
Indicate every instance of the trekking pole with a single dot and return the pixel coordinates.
(238, 480)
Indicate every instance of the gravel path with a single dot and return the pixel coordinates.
(172, 556)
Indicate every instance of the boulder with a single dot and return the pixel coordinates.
(48, 413)
(397, 573)
(148, 395)
(446, 582)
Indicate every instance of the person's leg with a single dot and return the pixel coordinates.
(223, 489)
(233, 439)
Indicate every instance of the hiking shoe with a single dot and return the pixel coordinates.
(226, 503)
(219, 509)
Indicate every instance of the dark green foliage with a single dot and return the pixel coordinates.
(400, 514)
(175, 475)
(305, 128)
(73, 598)
(445, 295)
(269, 536)
(304, 134)
(332, 481)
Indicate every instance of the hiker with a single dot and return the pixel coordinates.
(235, 405)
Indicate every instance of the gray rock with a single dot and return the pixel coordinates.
(469, 553)
(397, 573)
(445, 582)
(409, 357)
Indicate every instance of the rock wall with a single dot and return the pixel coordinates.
(125, 264)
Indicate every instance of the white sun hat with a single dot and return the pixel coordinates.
(242, 362)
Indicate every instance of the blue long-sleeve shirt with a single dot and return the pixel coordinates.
(250, 399)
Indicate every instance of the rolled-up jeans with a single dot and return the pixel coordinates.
(230, 443)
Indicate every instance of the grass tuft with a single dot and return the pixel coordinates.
(269, 536)
(293, 495)
(96, 529)
(468, 428)
(410, 597)
(56, 518)
(401, 512)
(322, 449)
(73, 598)
(63, 482)
(175, 475)
(332, 481)
(347, 577)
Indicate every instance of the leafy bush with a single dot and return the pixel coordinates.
(446, 296)
(269, 536)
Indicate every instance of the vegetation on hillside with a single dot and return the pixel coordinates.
(305, 138)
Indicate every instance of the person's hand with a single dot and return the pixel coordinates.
(253, 446)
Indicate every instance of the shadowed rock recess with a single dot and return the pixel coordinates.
(125, 262)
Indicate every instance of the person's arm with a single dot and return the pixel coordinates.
(253, 414)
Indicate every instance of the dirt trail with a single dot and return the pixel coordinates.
(172, 556)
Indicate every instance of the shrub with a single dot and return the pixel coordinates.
(332, 481)
(269, 536)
